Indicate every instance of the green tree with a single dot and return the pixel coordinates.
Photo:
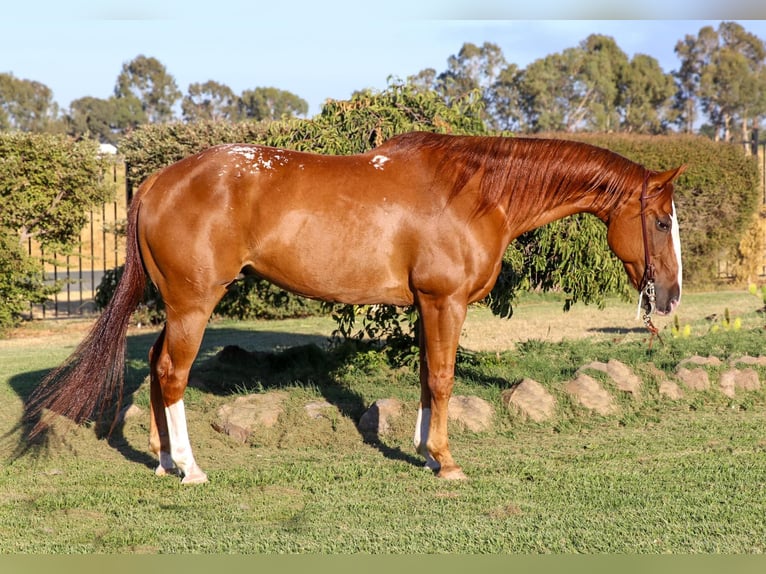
(27, 106)
(646, 96)
(147, 80)
(210, 101)
(553, 98)
(106, 120)
(271, 104)
(724, 72)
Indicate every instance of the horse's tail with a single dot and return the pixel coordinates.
(88, 381)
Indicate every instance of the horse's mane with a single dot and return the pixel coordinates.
(516, 171)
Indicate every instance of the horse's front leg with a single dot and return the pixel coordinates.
(440, 325)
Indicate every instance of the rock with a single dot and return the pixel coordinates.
(238, 418)
(473, 413)
(698, 360)
(735, 379)
(129, 412)
(694, 379)
(316, 409)
(530, 400)
(623, 377)
(377, 419)
(671, 390)
(748, 360)
(590, 394)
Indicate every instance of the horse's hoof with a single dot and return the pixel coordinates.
(452, 473)
(195, 477)
(162, 471)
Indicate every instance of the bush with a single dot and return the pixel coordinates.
(47, 183)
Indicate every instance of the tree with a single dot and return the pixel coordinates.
(645, 96)
(210, 101)
(105, 120)
(147, 80)
(552, 96)
(724, 72)
(27, 106)
(271, 104)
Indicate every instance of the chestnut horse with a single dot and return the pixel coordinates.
(423, 219)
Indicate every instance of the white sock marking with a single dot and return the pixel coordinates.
(421, 437)
(180, 447)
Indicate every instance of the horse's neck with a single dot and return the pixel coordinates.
(552, 206)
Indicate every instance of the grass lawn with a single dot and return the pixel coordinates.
(662, 476)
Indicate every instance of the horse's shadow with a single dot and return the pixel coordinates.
(301, 358)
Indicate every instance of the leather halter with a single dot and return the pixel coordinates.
(646, 288)
(648, 278)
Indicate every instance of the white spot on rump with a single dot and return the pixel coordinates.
(379, 161)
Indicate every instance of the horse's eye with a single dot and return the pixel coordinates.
(663, 225)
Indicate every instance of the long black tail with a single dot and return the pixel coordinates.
(93, 375)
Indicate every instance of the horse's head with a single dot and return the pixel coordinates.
(643, 233)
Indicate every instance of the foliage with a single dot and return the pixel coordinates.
(46, 184)
(20, 281)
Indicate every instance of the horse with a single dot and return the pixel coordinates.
(423, 220)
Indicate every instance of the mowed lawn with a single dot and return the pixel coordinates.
(660, 476)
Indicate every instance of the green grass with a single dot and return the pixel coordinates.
(660, 477)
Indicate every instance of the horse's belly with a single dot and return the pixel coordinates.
(350, 264)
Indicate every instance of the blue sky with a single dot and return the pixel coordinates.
(323, 49)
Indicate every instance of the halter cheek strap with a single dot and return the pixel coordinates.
(646, 288)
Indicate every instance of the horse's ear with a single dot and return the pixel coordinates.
(663, 178)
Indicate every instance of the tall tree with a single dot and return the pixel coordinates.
(552, 96)
(646, 96)
(271, 104)
(104, 119)
(27, 105)
(210, 101)
(147, 80)
(723, 71)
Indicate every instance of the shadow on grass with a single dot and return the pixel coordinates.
(299, 360)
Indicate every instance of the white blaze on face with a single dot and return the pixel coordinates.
(675, 233)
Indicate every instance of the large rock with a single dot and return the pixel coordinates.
(694, 379)
(589, 393)
(473, 413)
(239, 418)
(735, 379)
(377, 419)
(530, 400)
(620, 373)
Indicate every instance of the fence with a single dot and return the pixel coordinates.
(101, 248)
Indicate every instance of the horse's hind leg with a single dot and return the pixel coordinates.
(159, 440)
(171, 359)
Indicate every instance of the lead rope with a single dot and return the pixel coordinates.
(647, 281)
